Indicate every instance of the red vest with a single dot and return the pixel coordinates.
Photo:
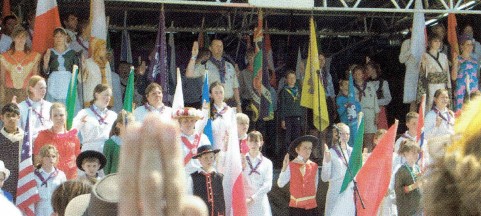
(303, 188)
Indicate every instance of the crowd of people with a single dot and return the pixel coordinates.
(69, 161)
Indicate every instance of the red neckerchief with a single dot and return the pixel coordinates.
(362, 92)
(151, 108)
(339, 154)
(191, 146)
(448, 120)
(100, 118)
(39, 114)
(253, 169)
(44, 181)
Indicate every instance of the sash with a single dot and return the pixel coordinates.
(220, 65)
(191, 146)
(339, 154)
(39, 114)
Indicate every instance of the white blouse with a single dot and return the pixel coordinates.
(141, 112)
(40, 117)
(258, 184)
(44, 206)
(96, 128)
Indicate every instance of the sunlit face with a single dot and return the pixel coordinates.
(217, 94)
(435, 44)
(20, 39)
(39, 90)
(411, 156)
(154, 96)
(412, 123)
(291, 79)
(242, 127)
(217, 48)
(103, 98)
(442, 100)
(304, 149)
(344, 134)
(50, 159)
(207, 160)
(91, 168)
(58, 116)
(255, 144)
(187, 125)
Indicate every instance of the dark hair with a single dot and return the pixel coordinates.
(67, 15)
(290, 71)
(203, 52)
(99, 89)
(123, 115)
(66, 192)
(9, 17)
(150, 88)
(16, 32)
(375, 66)
(215, 84)
(10, 108)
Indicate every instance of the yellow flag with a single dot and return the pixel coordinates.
(313, 95)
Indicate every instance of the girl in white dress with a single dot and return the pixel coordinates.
(257, 177)
(439, 120)
(154, 104)
(40, 119)
(94, 123)
(334, 168)
(219, 114)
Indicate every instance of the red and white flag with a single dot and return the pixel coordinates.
(46, 20)
(27, 193)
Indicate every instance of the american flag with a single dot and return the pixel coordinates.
(27, 193)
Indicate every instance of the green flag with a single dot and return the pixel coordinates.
(355, 161)
(72, 97)
(129, 92)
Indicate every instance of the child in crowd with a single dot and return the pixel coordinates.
(383, 93)
(90, 162)
(4, 174)
(410, 134)
(48, 178)
(439, 120)
(303, 175)
(242, 127)
(192, 123)
(257, 173)
(11, 137)
(206, 182)
(291, 111)
(334, 166)
(219, 114)
(347, 108)
(112, 145)
(407, 182)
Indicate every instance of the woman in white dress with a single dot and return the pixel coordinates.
(333, 170)
(220, 114)
(154, 104)
(40, 118)
(94, 123)
(412, 73)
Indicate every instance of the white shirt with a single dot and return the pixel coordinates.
(446, 127)
(385, 90)
(221, 125)
(257, 185)
(40, 108)
(93, 132)
(44, 206)
(194, 164)
(231, 81)
(141, 112)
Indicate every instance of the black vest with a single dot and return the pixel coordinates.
(202, 186)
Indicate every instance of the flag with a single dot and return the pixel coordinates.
(172, 64)
(6, 8)
(374, 177)
(270, 59)
(267, 109)
(27, 193)
(125, 49)
(206, 99)
(351, 100)
(313, 95)
(233, 182)
(258, 69)
(299, 63)
(129, 91)
(203, 37)
(418, 37)
(158, 66)
(178, 101)
(420, 129)
(46, 20)
(98, 24)
(355, 161)
(72, 97)
(452, 35)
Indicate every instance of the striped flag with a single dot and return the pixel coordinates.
(206, 99)
(98, 23)
(72, 97)
(355, 161)
(418, 37)
(27, 193)
(158, 66)
(6, 8)
(270, 58)
(267, 110)
(129, 92)
(233, 182)
(46, 20)
(258, 68)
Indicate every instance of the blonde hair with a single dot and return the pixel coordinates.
(32, 82)
(46, 150)
(242, 118)
(408, 146)
(58, 105)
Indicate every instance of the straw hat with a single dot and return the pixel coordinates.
(188, 112)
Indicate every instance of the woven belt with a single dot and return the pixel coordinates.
(302, 198)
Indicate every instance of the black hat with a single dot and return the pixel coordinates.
(91, 154)
(299, 140)
(204, 150)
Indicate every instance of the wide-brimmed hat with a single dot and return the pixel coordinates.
(103, 200)
(4, 170)
(204, 150)
(91, 154)
(299, 140)
(187, 112)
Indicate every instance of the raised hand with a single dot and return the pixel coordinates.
(195, 49)
(327, 154)
(285, 162)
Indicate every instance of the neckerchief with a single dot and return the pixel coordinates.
(413, 171)
(407, 136)
(362, 91)
(191, 146)
(294, 91)
(39, 114)
(100, 118)
(81, 43)
(151, 108)
(438, 113)
(220, 66)
(253, 169)
(216, 113)
(43, 180)
(339, 154)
